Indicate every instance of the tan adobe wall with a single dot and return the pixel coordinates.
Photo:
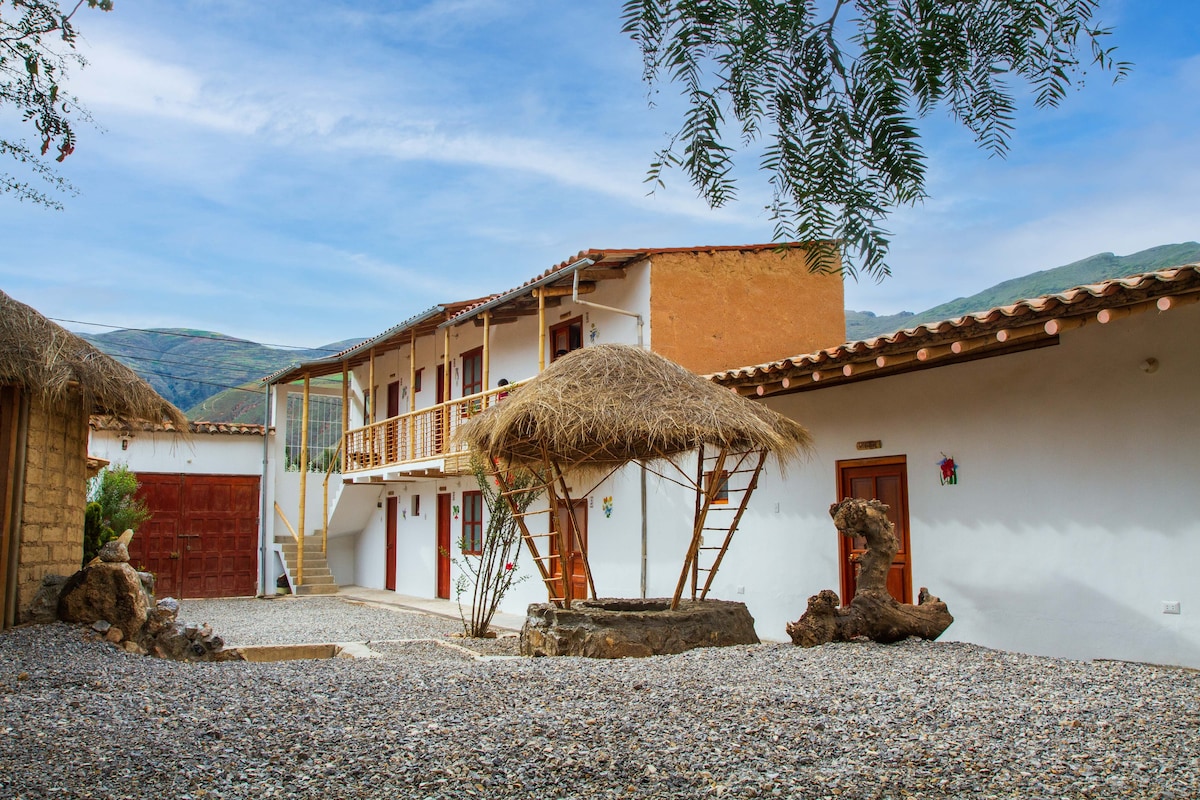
(55, 496)
(723, 309)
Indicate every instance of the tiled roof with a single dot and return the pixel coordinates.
(1002, 329)
(104, 423)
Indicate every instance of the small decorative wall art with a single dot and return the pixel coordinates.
(949, 475)
(608, 506)
(593, 333)
(456, 512)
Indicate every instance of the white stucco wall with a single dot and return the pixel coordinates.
(204, 454)
(1070, 523)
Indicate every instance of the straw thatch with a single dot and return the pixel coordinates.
(50, 362)
(610, 404)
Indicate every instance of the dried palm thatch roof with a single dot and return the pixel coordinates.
(50, 361)
(609, 404)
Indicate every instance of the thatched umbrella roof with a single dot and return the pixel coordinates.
(50, 361)
(610, 404)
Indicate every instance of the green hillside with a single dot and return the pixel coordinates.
(189, 366)
(1100, 267)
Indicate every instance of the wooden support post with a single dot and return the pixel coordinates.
(345, 410)
(372, 401)
(587, 568)
(303, 480)
(446, 393)
(541, 331)
(412, 395)
(487, 352)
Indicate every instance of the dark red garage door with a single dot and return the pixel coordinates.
(202, 537)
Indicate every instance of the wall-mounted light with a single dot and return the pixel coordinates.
(1150, 366)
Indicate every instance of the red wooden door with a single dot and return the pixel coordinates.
(393, 512)
(886, 480)
(155, 547)
(443, 546)
(202, 537)
(391, 439)
(578, 541)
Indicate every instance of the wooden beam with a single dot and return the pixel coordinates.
(487, 341)
(604, 274)
(1023, 332)
(1176, 301)
(541, 333)
(565, 291)
(1108, 315)
(936, 351)
(303, 481)
(1057, 326)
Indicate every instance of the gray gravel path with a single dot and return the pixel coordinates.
(79, 718)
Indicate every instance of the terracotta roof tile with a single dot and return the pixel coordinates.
(1076, 302)
(105, 423)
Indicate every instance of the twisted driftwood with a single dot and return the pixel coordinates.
(873, 613)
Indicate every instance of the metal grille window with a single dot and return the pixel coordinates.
(324, 431)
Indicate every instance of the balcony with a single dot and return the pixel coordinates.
(419, 442)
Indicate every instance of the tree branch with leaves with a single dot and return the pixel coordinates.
(834, 88)
(37, 48)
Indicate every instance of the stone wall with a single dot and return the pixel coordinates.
(55, 496)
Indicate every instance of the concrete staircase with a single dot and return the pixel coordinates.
(317, 577)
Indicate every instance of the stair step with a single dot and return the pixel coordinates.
(309, 588)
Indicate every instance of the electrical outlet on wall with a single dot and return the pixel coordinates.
(1171, 607)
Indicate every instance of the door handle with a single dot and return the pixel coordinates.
(175, 554)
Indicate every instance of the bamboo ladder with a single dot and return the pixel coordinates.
(558, 586)
(750, 463)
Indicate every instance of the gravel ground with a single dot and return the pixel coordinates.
(79, 718)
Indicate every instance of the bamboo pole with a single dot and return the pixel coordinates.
(344, 447)
(541, 331)
(303, 480)
(412, 395)
(446, 392)
(487, 329)
(372, 401)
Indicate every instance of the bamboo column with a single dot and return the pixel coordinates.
(541, 330)
(345, 411)
(371, 401)
(487, 338)
(412, 395)
(303, 480)
(445, 393)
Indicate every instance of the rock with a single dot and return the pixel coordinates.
(114, 635)
(134, 647)
(106, 591)
(101, 626)
(618, 628)
(114, 552)
(168, 606)
(44, 608)
(148, 581)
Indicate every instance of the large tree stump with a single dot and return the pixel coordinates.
(873, 613)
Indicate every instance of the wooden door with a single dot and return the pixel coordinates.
(578, 542)
(391, 435)
(443, 546)
(393, 513)
(202, 537)
(439, 415)
(886, 480)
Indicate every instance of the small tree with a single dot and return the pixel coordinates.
(489, 575)
(112, 508)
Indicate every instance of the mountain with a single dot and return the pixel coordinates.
(189, 366)
(1100, 267)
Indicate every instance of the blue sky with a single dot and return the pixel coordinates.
(306, 172)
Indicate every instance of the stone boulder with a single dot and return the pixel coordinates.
(619, 628)
(110, 591)
(44, 608)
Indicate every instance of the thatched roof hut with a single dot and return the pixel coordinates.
(609, 404)
(51, 362)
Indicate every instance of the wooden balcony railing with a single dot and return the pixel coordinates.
(418, 435)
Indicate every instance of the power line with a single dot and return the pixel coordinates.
(227, 339)
(115, 352)
(194, 380)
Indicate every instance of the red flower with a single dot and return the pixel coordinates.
(509, 565)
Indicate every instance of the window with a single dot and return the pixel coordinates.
(566, 337)
(416, 505)
(472, 524)
(721, 498)
(472, 371)
(417, 380)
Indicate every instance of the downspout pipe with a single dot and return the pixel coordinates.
(589, 304)
(262, 513)
(642, 465)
